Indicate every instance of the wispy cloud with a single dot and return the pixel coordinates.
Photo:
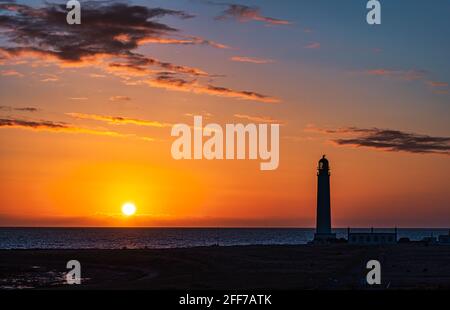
(174, 83)
(437, 87)
(186, 40)
(13, 73)
(20, 109)
(119, 98)
(79, 98)
(139, 66)
(422, 76)
(440, 91)
(258, 119)
(253, 60)
(437, 84)
(204, 114)
(59, 127)
(313, 45)
(119, 120)
(387, 140)
(97, 76)
(38, 125)
(50, 78)
(408, 75)
(244, 13)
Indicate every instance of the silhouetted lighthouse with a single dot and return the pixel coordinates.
(323, 221)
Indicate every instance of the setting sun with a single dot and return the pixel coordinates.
(128, 209)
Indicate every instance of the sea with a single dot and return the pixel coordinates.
(160, 238)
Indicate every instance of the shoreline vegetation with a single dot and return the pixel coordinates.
(337, 266)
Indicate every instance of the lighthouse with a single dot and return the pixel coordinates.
(323, 220)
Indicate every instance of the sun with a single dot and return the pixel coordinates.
(128, 209)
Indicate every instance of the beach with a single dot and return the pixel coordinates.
(339, 266)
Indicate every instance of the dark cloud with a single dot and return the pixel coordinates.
(139, 63)
(112, 29)
(170, 82)
(21, 123)
(392, 140)
(27, 109)
(59, 127)
(23, 109)
(108, 37)
(244, 13)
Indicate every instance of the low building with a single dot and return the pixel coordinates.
(445, 239)
(430, 240)
(372, 237)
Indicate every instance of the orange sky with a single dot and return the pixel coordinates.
(73, 162)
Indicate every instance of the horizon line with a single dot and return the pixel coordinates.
(219, 227)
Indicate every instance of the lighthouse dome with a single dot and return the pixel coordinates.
(323, 163)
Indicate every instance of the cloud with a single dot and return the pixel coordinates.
(408, 75)
(201, 41)
(22, 109)
(253, 60)
(258, 119)
(38, 125)
(437, 84)
(315, 129)
(27, 109)
(313, 45)
(108, 31)
(440, 91)
(108, 38)
(187, 40)
(50, 78)
(138, 65)
(11, 73)
(437, 87)
(388, 140)
(204, 114)
(97, 76)
(178, 84)
(59, 127)
(119, 120)
(102, 24)
(244, 13)
(119, 98)
(78, 98)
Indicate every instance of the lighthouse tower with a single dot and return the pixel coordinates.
(323, 224)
